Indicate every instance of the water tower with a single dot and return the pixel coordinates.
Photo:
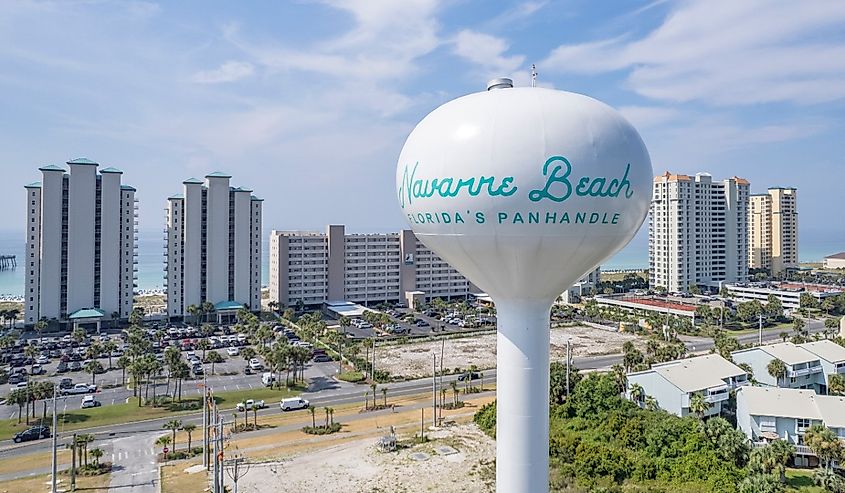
(524, 190)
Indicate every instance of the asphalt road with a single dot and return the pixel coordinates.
(133, 461)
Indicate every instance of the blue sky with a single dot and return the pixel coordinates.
(309, 102)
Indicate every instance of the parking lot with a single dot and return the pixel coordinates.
(63, 360)
(405, 322)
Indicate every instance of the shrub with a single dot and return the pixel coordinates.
(485, 418)
(322, 430)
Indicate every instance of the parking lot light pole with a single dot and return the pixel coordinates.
(53, 468)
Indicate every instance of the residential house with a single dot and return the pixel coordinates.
(673, 384)
(803, 368)
(832, 357)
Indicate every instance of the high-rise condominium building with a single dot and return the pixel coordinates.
(313, 268)
(698, 232)
(81, 245)
(213, 250)
(773, 230)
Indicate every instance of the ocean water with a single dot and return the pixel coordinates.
(813, 248)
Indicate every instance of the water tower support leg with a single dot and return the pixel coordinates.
(522, 379)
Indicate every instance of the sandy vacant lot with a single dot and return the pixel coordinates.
(415, 359)
(357, 466)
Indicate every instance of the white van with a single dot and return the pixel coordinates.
(268, 379)
(293, 403)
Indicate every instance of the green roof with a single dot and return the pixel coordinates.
(228, 305)
(177, 196)
(110, 170)
(83, 160)
(87, 313)
(218, 174)
(128, 187)
(193, 181)
(35, 184)
(51, 167)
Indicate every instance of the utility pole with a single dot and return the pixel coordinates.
(73, 464)
(568, 360)
(442, 398)
(434, 392)
(215, 482)
(373, 366)
(760, 323)
(205, 427)
(54, 467)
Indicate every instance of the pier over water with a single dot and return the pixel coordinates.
(7, 262)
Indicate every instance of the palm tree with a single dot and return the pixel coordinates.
(312, 410)
(108, 347)
(699, 405)
(93, 367)
(326, 409)
(777, 370)
(164, 441)
(455, 392)
(214, 357)
(637, 393)
(207, 308)
(173, 425)
(331, 415)
(651, 403)
(115, 319)
(123, 362)
(203, 345)
(836, 384)
(824, 444)
(373, 387)
(189, 429)
(367, 400)
(384, 395)
(39, 325)
(78, 334)
(96, 454)
(255, 416)
(31, 351)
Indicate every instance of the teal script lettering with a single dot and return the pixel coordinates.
(415, 188)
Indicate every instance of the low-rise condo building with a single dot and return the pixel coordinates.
(808, 365)
(674, 384)
(789, 294)
(765, 414)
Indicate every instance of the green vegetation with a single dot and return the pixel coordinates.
(601, 442)
(351, 376)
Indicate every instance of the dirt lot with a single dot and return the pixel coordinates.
(415, 359)
(358, 467)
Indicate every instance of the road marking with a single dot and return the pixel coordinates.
(120, 456)
(224, 387)
(237, 386)
(250, 385)
(12, 415)
(112, 457)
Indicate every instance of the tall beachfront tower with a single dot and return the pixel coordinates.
(698, 231)
(773, 232)
(213, 247)
(81, 244)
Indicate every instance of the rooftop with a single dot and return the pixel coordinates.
(785, 351)
(193, 181)
(87, 313)
(794, 403)
(110, 170)
(826, 350)
(698, 373)
(218, 174)
(346, 308)
(255, 199)
(177, 196)
(839, 256)
(83, 160)
(128, 187)
(228, 305)
(35, 184)
(51, 167)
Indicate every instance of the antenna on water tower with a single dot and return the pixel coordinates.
(533, 75)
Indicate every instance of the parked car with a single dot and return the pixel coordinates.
(321, 358)
(254, 364)
(42, 360)
(293, 403)
(250, 404)
(233, 351)
(34, 433)
(90, 401)
(79, 389)
(74, 366)
(37, 370)
(267, 379)
(471, 375)
(421, 323)
(65, 383)
(16, 378)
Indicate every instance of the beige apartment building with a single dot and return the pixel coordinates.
(314, 268)
(773, 230)
(698, 231)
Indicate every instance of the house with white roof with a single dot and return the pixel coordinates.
(770, 413)
(808, 365)
(673, 384)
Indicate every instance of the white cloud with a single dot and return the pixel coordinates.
(726, 53)
(649, 116)
(516, 14)
(487, 52)
(228, 72)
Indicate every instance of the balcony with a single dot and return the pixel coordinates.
(804, 371)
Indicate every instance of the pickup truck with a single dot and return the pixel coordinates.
(250, 404)
(80, 388)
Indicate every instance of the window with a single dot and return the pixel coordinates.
(801, 424)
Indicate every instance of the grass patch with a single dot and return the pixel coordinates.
(801, 480)
(130, 412)
(174, 479)
(351, 376)
(40, 483)
(322, 430)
